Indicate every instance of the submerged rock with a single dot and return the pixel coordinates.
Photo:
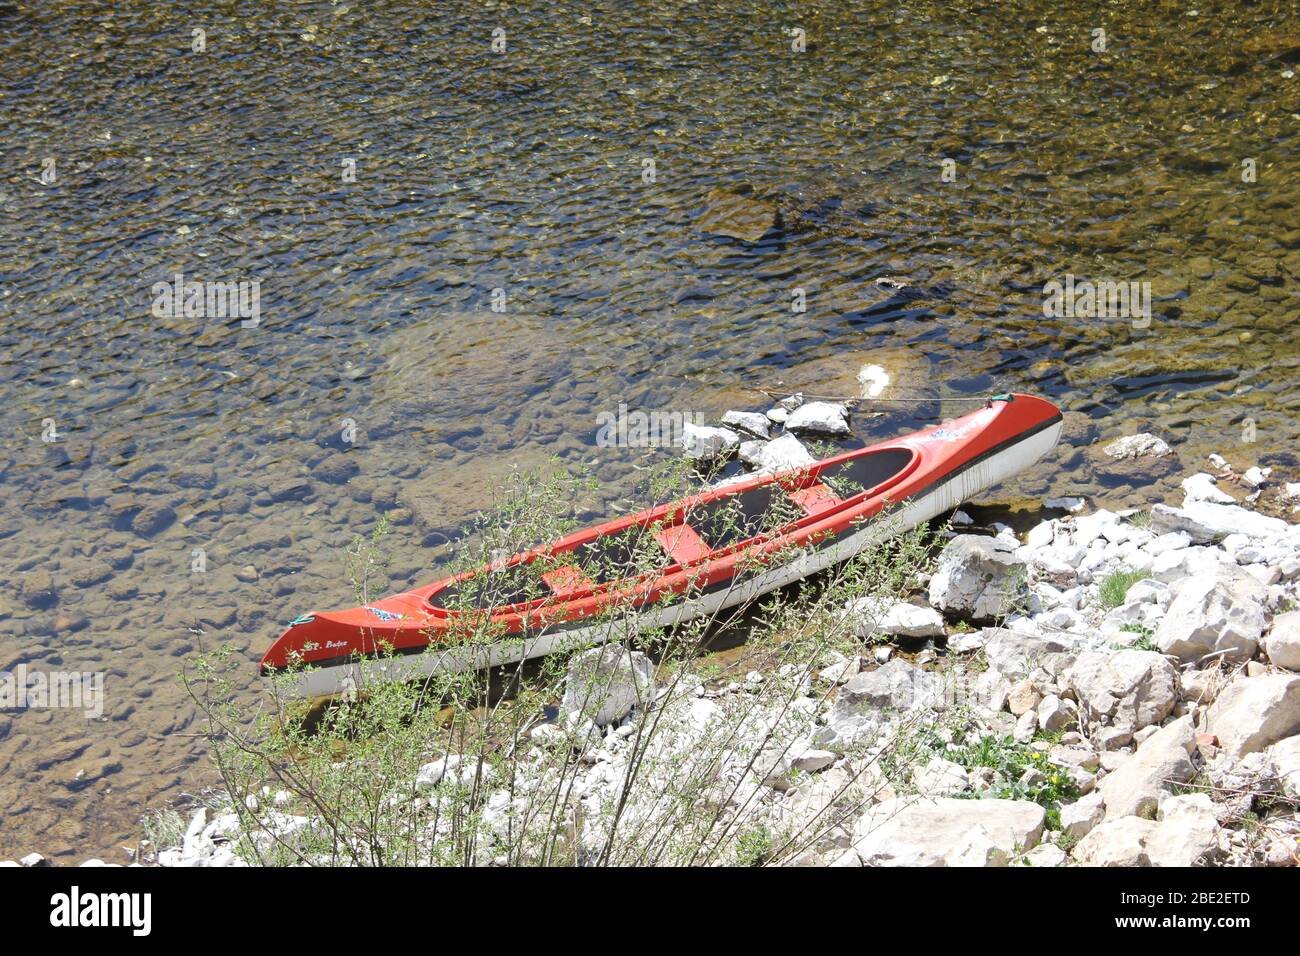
(38, 589)
(737, 217)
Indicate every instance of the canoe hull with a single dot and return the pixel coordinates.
(931, 491)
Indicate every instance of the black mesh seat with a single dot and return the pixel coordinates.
(856, 475)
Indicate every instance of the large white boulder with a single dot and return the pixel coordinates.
(977, 577)
(1220, 610)
(1283, 642)
(1253, 712)
(824, 418)
(1285, 755)
(870, 617)
(604, 684)
(1186, 834)
(1127, 690)
(946, 831)
(779, 454)
(705, 443)
(1207, 522)
(1162, 760)
(755, 423)
(1015, 653)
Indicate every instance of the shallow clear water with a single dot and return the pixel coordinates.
(523, 171)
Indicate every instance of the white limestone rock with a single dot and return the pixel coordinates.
(1127, 690)
(604, 684)
(1202, 487)
(1283, 642)
(706, 443)
(1141, 445)
(1162, 760)
(1079, 818)
(753, 423)
(1252, 713)
(937, 831)
(871, 618)
(822, 418)
(780, 454)
(1217, 611)
(1207, 522)
(976, 578)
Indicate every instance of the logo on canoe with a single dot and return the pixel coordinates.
(385, 615)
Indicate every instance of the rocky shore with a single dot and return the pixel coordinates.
(1107, 689)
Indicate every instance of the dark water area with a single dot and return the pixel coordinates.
(525, 171)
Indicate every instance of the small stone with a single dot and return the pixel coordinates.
(336, 468)
(1283, 642)
(152, 519)
(811, 761)
(705, 443)
(1252, 713)
(1079, 818)
(1024, 697)
(825, 418)
(1055, 714)
(37, 589)
(247, 574)
(1046, 854)
(753, 423)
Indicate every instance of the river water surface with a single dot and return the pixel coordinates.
(172, 482)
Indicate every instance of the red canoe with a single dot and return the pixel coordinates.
(716, 554)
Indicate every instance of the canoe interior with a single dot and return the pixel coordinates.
(715, 524)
